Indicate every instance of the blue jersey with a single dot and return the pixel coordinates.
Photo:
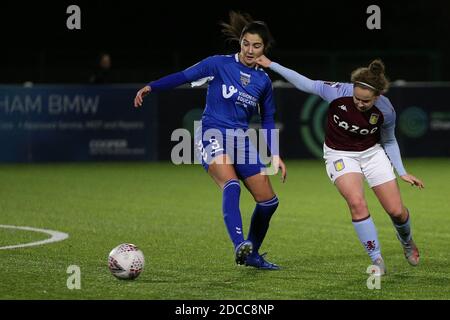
(235, 92)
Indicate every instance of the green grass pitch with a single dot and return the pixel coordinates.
(173, 213)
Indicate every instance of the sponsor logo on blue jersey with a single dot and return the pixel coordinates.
(228, 94)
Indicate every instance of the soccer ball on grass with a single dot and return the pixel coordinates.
(126, 261)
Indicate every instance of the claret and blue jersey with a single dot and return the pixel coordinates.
(352, 130)
(348, 129)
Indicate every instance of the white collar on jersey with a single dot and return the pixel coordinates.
(236, 57)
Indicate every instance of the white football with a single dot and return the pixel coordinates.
(126, 261)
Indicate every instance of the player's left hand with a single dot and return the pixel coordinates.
(279, 164)
(139, 99)
(283, 171)
(413, 181)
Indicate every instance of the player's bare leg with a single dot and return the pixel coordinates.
(351, 187)
(260, 187)
(389, 196)
(221, 170)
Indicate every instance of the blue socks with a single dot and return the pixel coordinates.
(231, 212)
(233, 220)
(260, 221)
(367, 234)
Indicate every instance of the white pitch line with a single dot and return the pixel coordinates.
(55, 236)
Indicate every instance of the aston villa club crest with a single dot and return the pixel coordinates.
(245, 78)
(370, 245)
(339, 165)
(374, 118)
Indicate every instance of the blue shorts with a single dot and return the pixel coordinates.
(214, 142)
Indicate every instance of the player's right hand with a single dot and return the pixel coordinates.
(263, 61)
(140, 96)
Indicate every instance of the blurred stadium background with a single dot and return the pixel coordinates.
(77, 157)
(148, 40)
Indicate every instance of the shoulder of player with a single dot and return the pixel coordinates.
(262, 75)
(224, 58)
(385, 106)
(334, 84)
(220, 59)
(342, 100)
(262, 72)
(385, 100)
(339, 89)
(338, 85)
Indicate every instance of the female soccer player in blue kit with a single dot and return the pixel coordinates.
(237, 87)
(360, 143)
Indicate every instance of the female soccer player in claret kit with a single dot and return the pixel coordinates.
(237, 88)
(360, 143)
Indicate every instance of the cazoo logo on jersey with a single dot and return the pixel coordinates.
(352, 127)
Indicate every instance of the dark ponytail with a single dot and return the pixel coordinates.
(242, 23)
(233, 29)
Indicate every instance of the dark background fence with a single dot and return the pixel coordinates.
(98, 123)
(148, 39)
(145, 40)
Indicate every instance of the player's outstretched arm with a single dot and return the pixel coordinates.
(409, 178)
(165, 83)
(299, 81)
(140, 96)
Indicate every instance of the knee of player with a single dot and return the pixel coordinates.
(358, 205)
(268, 201)
(396, 212)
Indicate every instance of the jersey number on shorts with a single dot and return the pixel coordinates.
(215, 147)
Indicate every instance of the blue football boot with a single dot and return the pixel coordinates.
(242, 251)
(256, 260)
